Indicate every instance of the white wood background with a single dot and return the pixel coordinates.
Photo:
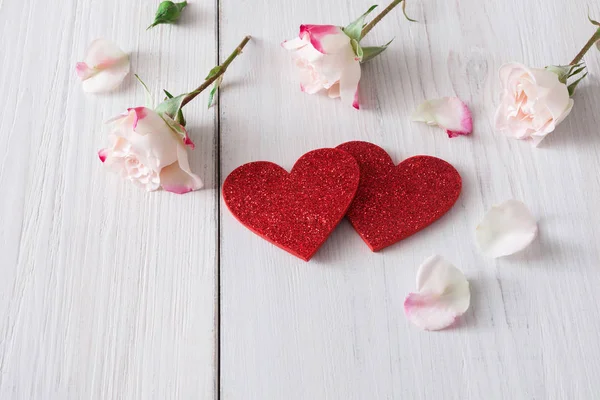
(108, 292)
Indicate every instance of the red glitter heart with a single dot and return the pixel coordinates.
(296, 211)
(394, 202)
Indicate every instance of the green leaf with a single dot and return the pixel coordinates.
(180, 118)
(149, 100)
(168, 13)
(370, 53)
(573, 85)
(214, 90)
(354, 29)
(358, 51)
(213, 72)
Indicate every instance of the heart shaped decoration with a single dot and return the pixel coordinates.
(394, 202)
(296, 211)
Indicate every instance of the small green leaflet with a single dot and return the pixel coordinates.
(213, 72)
(168, 13)
(149, 100)
(354, 29)
(214, 90)
(370, 53)
(180, 118)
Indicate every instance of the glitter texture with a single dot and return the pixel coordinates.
(296, 211)
(394, 202)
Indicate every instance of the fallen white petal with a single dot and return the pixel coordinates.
(449, 113)
(104, 67)
(443, 295)
(506, 229)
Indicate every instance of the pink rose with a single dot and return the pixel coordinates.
(148, 152)
(326, 60)
(534, 102)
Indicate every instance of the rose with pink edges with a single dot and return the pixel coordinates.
(325, 60)
(328, 57)
(449, 113)
(146, 151)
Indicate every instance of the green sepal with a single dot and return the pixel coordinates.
(573, 85)
(214, 90)
(168, 13)
(175, 127)
(565, 72)
(171, 106)
(149, 99)
(180, 118)
(371, 52)
(354, 29)
(358, 51)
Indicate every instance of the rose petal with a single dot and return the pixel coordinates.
(506, 229)
(349, 80)
(104, 68)
(449, 113)
(443, 295)
(178, 177)
(326, 39)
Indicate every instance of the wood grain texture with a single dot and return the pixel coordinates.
(107, 292)
(334, 328)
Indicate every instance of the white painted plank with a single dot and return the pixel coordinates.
(334, 328)
(107, 291)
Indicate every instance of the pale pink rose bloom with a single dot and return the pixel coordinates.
(325, 59)
(104, 68)
(449, 113)
(442, 296)
(534, 102)
(147, 152)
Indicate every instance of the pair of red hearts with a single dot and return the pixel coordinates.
(385, 203)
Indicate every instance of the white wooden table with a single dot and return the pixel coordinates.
(109, 292)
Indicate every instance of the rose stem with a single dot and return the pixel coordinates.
(222, 70)
(378, 18)
(595, 37)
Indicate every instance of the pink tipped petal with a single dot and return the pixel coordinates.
(349, 80)
(443, 295)
(83, 70)
(355, 104)
(325, 39)
(294, 44)
(103, 154)
(188, 142)
(334, 91)
(506, 229)
(104, 68)
(449, 113)
(177, 177)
